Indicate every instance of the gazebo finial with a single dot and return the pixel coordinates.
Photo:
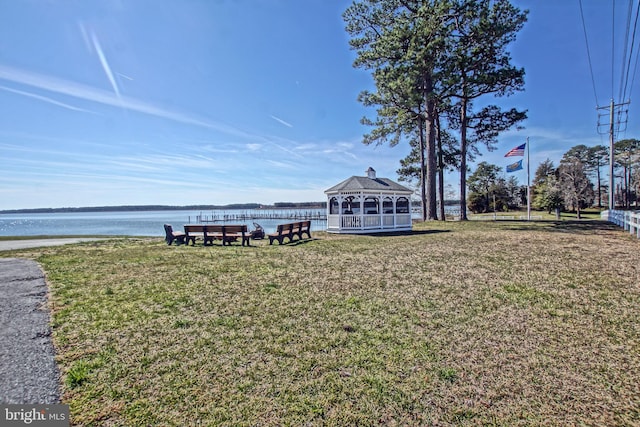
(371, 173)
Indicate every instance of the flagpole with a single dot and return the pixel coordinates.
(528, 185)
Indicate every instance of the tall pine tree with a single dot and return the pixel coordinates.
(402, 42)
(479, 64)
(429, 53)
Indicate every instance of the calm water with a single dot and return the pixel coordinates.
(140, 223)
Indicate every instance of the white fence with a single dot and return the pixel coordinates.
(629, 220)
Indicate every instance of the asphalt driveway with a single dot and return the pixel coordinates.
(11, 245)
(28, 372)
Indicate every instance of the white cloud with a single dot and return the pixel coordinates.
(281, 165)
(307, 147)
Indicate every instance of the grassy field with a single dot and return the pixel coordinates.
(477, 323)
(589, 213)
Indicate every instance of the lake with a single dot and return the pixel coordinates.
(135, 223)
(148, 223)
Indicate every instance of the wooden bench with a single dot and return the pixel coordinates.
(171, 236)
(300, 228)
(209, 233)
(194, 232)
(231, 233)
(283, 230)
(290, 230)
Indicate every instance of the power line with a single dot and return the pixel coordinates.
(613, 109)
(633, 40)
(625, 50)
(617, 113)
(635, 67)
(613, 118)
(613, 43)
(586, 40)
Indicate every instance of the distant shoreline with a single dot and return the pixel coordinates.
(141, 208)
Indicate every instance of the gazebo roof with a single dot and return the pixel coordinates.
(363, 183)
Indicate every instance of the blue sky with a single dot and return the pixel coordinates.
(214, 102)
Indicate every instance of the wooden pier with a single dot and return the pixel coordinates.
(222, 216)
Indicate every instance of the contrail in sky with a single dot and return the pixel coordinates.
(45, 99)
(105, 64)
(89, 93)
(279, 120)
(81, 91)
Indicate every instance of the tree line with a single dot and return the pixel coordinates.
(134, 208)
(576, 183)
(435, 64)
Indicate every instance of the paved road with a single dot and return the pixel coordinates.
(28, 372)
(10, 245)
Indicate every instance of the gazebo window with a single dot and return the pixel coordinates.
(387, 205)
(355, 207)
(349, 207)
(370, 206)
(402, 205)
(334, 206)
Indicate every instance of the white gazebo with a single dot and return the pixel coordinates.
(366, 204)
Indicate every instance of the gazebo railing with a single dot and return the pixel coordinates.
(333, 222)
(351, 221)
(371, 221)
(387, 221)
(368, 222)
(403, 220)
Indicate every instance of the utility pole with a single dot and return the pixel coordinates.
(612, 201)
(528, 183)
(611, 129)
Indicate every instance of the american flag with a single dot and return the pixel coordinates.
(518, 151)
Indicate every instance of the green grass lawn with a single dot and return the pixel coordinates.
(477, 323)
(589, 213)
